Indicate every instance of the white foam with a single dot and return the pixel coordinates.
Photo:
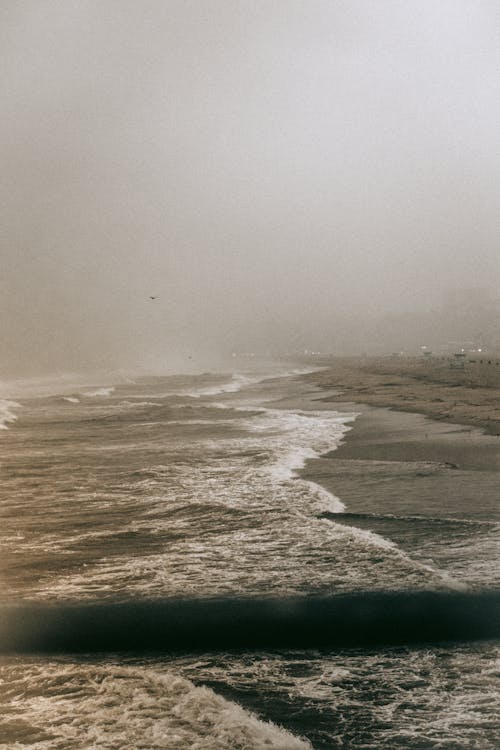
(325, 501)
(71, 399)
(237, 382)
(301, 436)
(139, 403)
(7, 414)
(408, 713)
(300, 371)
(114, 706)
(99, 392)
(64, 384)
(242, 380)
(226, 512)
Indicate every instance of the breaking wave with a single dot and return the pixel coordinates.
(117, 707)
(99, 392)
(7, 414)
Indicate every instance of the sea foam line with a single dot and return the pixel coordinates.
(7, 414)
(99, 392)
(309, 435)
(240, 381)
(303, 436)
(234, 385)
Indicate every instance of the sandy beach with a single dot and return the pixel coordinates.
(430, 386)
(409, 471)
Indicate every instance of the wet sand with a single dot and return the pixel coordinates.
(431, 386)
(392, 462)
(430, 486)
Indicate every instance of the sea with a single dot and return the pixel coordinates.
(192, 487)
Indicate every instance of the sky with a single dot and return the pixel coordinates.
(269, 170)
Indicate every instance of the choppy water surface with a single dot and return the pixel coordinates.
(188, 486)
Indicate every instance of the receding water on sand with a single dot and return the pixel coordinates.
(430, 487)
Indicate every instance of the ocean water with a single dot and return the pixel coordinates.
(190, 487)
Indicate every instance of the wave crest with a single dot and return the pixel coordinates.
(114, 706)
(99, 392)
(7, 414)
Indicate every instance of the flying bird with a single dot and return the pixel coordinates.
(153, 298)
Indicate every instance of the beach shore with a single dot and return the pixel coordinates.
(430, 386)
(409, 470)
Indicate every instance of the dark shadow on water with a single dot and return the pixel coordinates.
(361, 620)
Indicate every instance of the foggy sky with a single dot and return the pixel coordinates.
(269, 169)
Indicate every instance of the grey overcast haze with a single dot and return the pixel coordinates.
(280, 175)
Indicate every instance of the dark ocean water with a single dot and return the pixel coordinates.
(189, 487)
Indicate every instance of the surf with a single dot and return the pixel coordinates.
(8, 413)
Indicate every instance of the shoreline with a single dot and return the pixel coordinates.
(468, 396)
(428, 485)
(384, 450)
(440, 508)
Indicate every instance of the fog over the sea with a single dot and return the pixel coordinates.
(276, 172)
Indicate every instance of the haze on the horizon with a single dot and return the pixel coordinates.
(278, 173)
